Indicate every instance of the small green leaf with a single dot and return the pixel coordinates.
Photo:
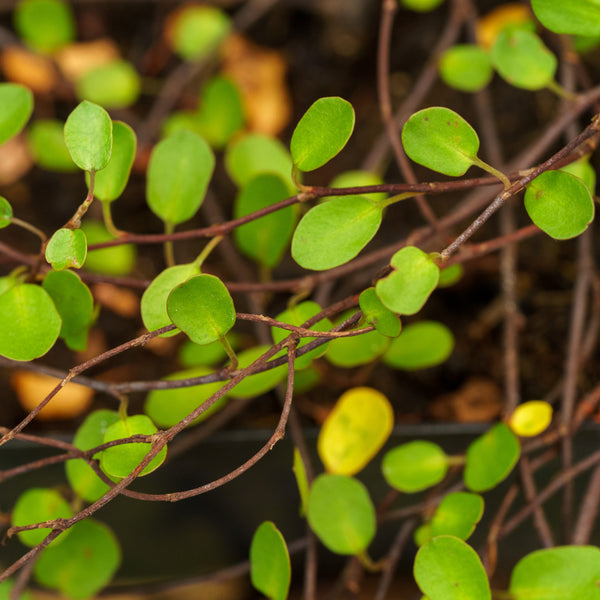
(46, 141)
(332, 233)
(116, 260)
(167, 407)
(45, 25)
(358, 178)
(441, 140)
(111, 181)
(384, 320)
(299, 469)
(522, 59)
(119, 461)
(581, 168)
(355, 430)
(67, 248)
(447, 568)
(421, 5)
(83, 564)
(565, 572)
(34, 322)
(35, 506)
(270, 569)
(581, 17)
(202, 308)
(257, 384)
(414, 466)
(265, 239)
(490, 458)
(153, 305)
(341, 513)
(420, 346)
(81, 476)
(466, 67)
(560, 204)
(17, 106)
(88, 136)
(322, 132)
(450, 275)
(115, 84)
(6, 587)
(194, 355)
(179, 172)
(414, 276)
(457, 514)
(6, 212)
(357, 350)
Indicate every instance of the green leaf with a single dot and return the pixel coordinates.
(194, 355)
(6, 212)
(257, 384)
(457, 514)
(565, 572)
(560, 204)
(355, 430)
(115, 84)
(581, 168)
(198, 31)
(46, 142)
(414, 276)
(355, 179)
(179, 172)
(384, 320)
(119, 461)
(116, 260)
(357, 350)
(420, 346)
(17, 106)
(81, 476)
(581, 17)
(111, 181)
(332, 233)
(167, 407)
(202, 308)
(414, 466)
(35, 506)
(466, 67)
(83, 564)
(299, 469)
(446, 568)
(441, 140)
(67, 248)
(341, 513)
(254, 154)
(307, 379)
(522, 59)
(74, 303)
(270, 569)
(490, 458)
(265, 239)
(450, 275)
(45, 25)
(6, 587)
(421, 5)
(322, 132)
(32, 324)
(153, 305)
(297, 315)
(88, 136)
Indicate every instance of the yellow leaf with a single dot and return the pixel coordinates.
(531, 418)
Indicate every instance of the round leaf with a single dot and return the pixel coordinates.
(67, 248)
(441, 140)
(560, 204)
(113, 85)
(355, 430)
(414, 276)
(581, 17)
(523, 60)
(466, 67)
(46, 141)
(45, 25)
(270, 569)
(179, 171)
(116, 260)
(31, 322)
(490, 458)
(567, 572)
(322, 132)
(257, 384)
(457, 515)
(83, 564)
(35, 506)
(450, 275)
(332, 233)
(119, 461)
(358, 178)
(17, 106)
(383, 319)
(581, 168)
(6, 212)
(341, 513)
(531, 418)
(193, 355)
(419, 346)
(357, 350)
(88, 136)
(6, 587)
(202, 308)
(446, 568)
(421, 5)
(414, 466)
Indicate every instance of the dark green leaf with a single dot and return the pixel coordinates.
(270, 569)
(67, 248)
(17, 106)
